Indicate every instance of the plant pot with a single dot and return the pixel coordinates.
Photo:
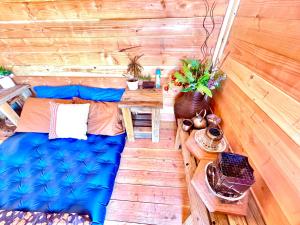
(189, 103)
(133, 84)
(7, 82)
(148, 84)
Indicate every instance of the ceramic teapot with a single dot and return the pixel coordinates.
(199, 120)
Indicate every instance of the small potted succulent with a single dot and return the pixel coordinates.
(5, 78)
(147, 82)
(134, 71)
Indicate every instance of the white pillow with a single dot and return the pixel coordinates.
(68, 120)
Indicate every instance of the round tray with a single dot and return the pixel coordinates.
(199, 137)
(231, 199)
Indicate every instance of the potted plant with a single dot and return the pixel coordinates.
(134, 71)
(197, 80)
(5, 78)
(147, 82)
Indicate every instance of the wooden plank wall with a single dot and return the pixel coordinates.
(260, 102)
(91, 38)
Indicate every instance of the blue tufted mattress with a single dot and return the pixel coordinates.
(62, 175)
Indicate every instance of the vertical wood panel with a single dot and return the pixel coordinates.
(263, 67)
(250, 131)
(266, 96)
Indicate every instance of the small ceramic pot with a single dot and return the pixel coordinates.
(213, 119)
(133, 85)
(187, 124)
(214, 136)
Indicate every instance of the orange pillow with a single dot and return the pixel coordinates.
(104, 117)
(35, 116)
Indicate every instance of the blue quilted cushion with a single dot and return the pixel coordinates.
(61, 175)
(101, 94)
(63, 92)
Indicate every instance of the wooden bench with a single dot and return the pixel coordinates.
(200, 215)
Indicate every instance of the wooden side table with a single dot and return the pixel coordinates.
(210, 210)
(8, 94)
(149, 99)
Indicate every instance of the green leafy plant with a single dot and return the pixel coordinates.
(4, 72)
(145, 78)
(197, 76)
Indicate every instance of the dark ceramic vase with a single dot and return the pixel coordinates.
(189, 103)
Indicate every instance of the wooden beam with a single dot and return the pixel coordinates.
(96, 58)
(107, 28)
(86, 71)
(74, 10)
(147, 44)
(155, 124)
(229, 17)
(128, 123)
(198, 210)
(114, 82)
(6, 109)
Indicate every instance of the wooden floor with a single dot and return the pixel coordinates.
(150, 187)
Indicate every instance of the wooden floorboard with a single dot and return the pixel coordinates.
(151, 178)
(160, 165)
(154, 194)
(146, 213)
(171, 154)
(150, 186)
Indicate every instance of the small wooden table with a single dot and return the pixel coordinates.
(205, 208)
(151, 99)
(6, 95)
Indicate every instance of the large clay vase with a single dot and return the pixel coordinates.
(189, 103)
